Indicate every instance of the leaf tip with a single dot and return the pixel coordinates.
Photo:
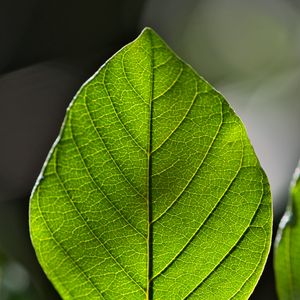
(149, 32)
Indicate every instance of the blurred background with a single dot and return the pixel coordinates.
(249, 50)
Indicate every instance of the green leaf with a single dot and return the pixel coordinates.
(152, 190)
(287, 246)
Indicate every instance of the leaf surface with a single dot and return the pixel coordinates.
(152, 190)
(287, 246)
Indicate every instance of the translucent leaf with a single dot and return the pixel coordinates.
(152, 190)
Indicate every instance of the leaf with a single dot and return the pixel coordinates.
(152, 190)
(287, 246)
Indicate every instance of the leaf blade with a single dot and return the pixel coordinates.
(287, 245)
(146, 177)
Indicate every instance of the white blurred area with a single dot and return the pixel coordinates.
(250, 51)
(15, 282)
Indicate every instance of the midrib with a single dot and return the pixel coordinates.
(149, 292)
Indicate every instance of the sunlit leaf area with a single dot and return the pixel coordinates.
(152, 189)
(248, 50)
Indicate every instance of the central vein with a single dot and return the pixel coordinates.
(149, 292)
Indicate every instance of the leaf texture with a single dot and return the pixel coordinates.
(152, 189)
(287, 246)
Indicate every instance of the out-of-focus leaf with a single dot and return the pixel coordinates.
(287, 252)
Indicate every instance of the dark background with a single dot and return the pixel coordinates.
(249, 50)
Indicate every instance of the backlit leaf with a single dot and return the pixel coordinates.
(152, 190)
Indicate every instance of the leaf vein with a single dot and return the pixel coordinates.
(171, 85)
(109, 152)
(229, 252)
(195, 173)
(182, 120)
(118, 116)
(90, 228)
(65, 251)
(98, 187)
(128, 81)
(200, 226)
